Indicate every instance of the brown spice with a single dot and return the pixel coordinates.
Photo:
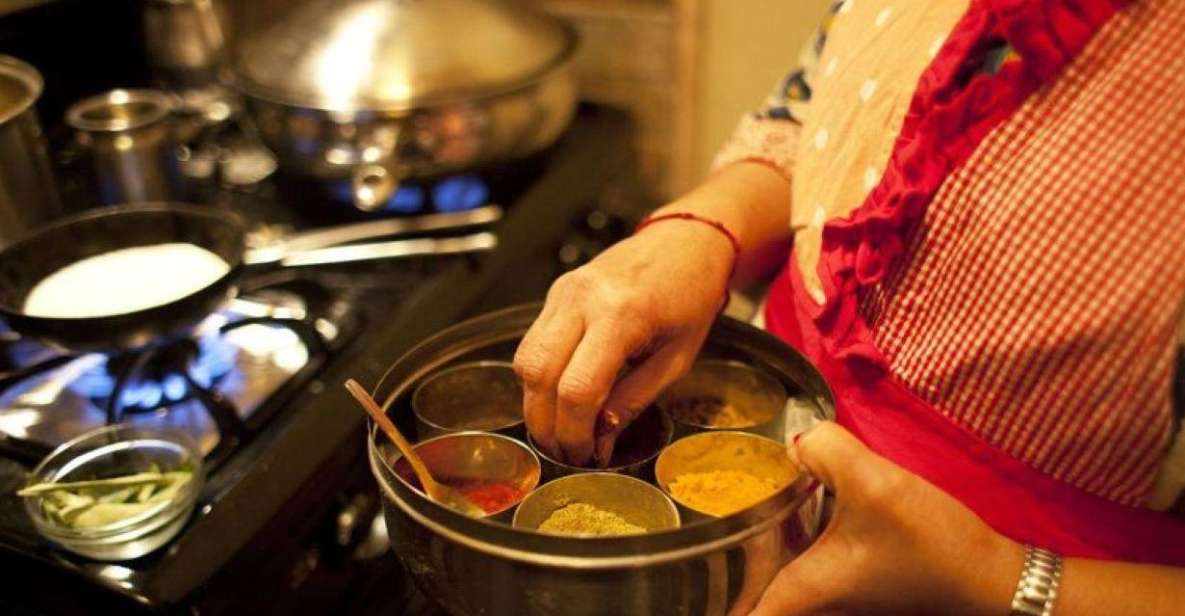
(711, 412)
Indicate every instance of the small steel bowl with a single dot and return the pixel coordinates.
(482, 395)
(723, 451)
(637, 449)
(473, 456)
(115, 451)
(717, 383)
(636, 501)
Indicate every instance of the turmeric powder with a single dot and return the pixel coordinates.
(722, 493)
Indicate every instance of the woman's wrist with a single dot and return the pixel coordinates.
(749, 199)
(712, 252)
(988, 575)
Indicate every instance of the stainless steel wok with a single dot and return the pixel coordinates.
(374, 91)
(714, 567)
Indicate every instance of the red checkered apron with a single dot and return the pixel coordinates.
(1049, 497)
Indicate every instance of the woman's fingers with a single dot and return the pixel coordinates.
(631, 395)
(845, 465)
(540, 361)
(586, 383)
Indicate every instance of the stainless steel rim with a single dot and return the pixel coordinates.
(23, 72)
(668, 426)
(731, 363)
(501, 327)
(673, 510)
(515, 442)
(149, 107)
(560, 63)
(666, 489)
(415, 407)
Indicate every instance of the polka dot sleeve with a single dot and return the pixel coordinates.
(769, 141)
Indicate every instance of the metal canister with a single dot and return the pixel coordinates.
(185, 41)
(129, 137)
(28, 195)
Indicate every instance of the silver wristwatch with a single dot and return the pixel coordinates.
(1036, 592)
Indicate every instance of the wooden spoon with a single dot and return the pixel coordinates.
(435, 490)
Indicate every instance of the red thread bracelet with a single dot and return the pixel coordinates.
(715, 224)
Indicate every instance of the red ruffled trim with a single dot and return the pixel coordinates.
(953, 109)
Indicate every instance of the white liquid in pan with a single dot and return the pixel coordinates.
(126, 280)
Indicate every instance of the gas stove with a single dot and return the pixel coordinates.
(287, 519)
(215, 387)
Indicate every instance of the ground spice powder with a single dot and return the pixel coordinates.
(722, 493)
(586, 520)
(712, 413)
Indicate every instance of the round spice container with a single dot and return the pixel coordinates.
(495, 472)
(481, 395)
(597, 505)
(719, 394)
(717, 474)
(634, 453)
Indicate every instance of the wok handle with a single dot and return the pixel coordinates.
(393, 227)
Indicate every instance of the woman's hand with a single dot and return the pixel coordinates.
(646, 304)
(647, 301)
(895, 545)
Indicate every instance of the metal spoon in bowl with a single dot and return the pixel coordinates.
(435, 490)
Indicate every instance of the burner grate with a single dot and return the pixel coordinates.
(218, 387)
(155, 387)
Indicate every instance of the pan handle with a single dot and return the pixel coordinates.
(393, 227)
(393, 249)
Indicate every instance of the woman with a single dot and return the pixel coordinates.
(986, 203)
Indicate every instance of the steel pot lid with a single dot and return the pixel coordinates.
(398, 54)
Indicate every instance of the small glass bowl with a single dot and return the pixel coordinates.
(111, 452)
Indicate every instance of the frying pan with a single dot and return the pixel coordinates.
(28, 261)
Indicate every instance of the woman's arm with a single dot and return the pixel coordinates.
(1096, 588)
(898, 545)
(752, 199)
(648, 300)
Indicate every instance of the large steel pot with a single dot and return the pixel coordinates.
(713, 567)
(374, 91)
(28, 196)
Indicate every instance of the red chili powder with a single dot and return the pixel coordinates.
(491, 496)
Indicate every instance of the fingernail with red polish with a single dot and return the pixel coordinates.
(796, 437)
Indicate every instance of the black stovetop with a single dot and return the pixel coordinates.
(288, 473)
